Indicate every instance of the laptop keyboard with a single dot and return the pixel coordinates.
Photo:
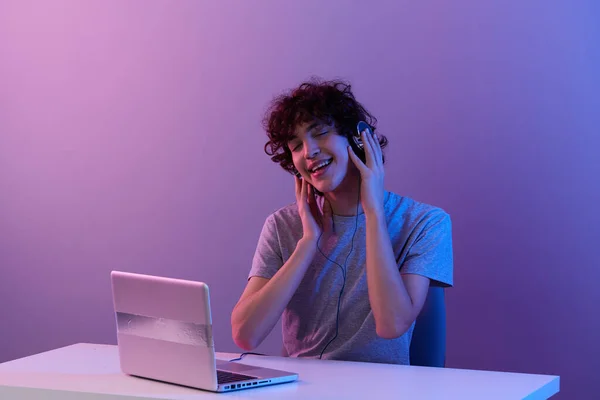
(228, 377)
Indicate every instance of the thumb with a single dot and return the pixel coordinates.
(357, 161)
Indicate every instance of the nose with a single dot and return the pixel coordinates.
(311, 150)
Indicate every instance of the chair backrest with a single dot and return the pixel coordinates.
(428, 344)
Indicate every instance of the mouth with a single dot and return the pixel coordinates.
(320, 168)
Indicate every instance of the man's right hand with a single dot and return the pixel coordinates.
(264, 300)
(314, 221)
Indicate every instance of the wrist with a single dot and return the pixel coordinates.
(376, 215)
(307, 243)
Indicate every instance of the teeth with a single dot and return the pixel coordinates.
(321, 164)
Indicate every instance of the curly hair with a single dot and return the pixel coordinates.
(331, 102)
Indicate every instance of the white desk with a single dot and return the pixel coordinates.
(91, 372)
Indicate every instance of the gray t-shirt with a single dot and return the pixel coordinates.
(422, 241)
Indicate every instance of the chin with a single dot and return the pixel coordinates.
(323, 189)
(327, 186)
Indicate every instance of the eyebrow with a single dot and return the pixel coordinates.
(313, 126)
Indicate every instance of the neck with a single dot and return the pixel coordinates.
(344, 199)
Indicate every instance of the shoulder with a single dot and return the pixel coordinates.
(409, 211)
(284, 218)
(285, 215)
(283, 228)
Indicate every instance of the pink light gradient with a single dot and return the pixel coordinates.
(130, 139)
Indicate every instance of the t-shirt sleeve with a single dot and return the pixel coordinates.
(267, 257)
(431, 253)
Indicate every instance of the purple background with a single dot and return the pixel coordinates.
(130, 139)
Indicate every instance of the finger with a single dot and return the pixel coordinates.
(378, 148)
(378, 151)
(303, 194)
(298, 187)
(312, 202)
(369, 151)
(357, 161)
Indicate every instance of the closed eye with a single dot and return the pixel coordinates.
(295, 146)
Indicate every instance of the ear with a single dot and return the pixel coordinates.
(295, 172)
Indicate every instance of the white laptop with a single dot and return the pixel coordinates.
(164, 332)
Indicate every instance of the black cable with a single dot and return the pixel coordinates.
(245, 354)
(337, 317)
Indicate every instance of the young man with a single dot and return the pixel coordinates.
(349, 264)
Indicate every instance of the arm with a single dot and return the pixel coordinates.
(396, 299)
(264, 300)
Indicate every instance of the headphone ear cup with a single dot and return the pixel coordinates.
(358, 147)
(357, 141)
(356, 138)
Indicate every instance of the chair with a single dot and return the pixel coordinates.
(428, 344)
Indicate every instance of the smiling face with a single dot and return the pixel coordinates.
(320, 155)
